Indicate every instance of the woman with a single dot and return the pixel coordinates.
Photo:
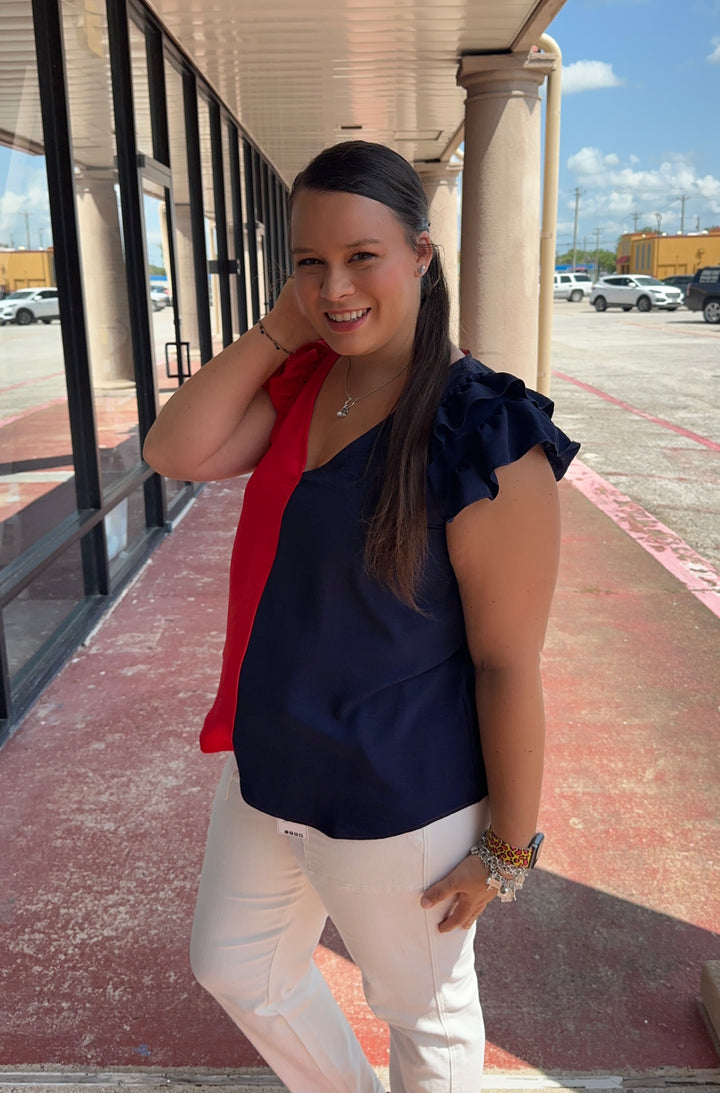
(390, 587)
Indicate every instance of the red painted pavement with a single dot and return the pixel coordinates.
(597, 967)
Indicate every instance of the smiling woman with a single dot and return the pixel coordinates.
(380, 687)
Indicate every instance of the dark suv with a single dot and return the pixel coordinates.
(703, 293)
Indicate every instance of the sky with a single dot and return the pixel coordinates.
(640, 126)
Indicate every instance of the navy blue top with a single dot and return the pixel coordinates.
(356, 714)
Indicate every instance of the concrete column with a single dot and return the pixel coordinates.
(500, 242)
(440, 184)
(186, 299)
(106, 302)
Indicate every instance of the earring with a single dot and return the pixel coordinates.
(421, 269)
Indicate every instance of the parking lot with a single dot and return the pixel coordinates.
(641, 392)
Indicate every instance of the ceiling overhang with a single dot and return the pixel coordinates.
(302, 77)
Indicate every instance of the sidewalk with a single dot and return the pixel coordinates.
(595, 970)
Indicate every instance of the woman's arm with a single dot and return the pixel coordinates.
(505, 555)
(218, 423)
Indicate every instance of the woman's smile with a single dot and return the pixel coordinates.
(347, 320)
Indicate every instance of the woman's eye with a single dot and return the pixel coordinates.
(362, 256)
(307, 262)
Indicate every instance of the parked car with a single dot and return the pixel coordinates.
(27, 305)
(636, 290)
(703, 293)
(160, 298)
(571, 286)
(679, 280)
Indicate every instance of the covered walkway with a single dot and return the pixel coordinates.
(595, 971)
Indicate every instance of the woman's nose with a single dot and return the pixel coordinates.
(337, 284)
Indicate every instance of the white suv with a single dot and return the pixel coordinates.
(636, 290)
(571, 286)
(27, 305)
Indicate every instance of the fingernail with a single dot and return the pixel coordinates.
(426, 902)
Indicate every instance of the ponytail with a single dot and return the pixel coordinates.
(396, 542)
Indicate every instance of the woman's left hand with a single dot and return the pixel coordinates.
(466, 886)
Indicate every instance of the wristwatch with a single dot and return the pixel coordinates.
(534, 848)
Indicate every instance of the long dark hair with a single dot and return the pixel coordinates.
(396, 542)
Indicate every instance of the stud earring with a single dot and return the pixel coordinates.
(421, 269)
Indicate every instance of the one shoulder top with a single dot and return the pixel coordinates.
(347, 710)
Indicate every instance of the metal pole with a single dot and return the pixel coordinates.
(575, 227)
(548, 231)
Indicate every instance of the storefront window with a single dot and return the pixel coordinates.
(101, 243)
(210, 224)
(36, 461)
(33, 617)
(141, 92)
(230, 219)
(184, 261)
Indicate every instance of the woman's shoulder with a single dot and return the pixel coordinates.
(487, 420)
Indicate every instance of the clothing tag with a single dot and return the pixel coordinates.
(287, 827)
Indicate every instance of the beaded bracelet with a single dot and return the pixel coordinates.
(506, 878)
(280, 348)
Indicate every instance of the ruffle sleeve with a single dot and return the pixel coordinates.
(285, 385)
(487, 420)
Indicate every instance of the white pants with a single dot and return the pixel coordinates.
(263, 901)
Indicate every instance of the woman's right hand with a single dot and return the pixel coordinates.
(287, 322)
(218, 423)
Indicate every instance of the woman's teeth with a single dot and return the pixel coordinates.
(346, 316)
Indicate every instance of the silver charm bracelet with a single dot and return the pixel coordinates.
(507, 879)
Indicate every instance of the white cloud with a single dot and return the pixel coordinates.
(613, 189)
(714, 57)
(24, 206)
(588, 76)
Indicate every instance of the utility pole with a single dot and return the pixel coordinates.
(636, 217)
(697, 224)
(658, 217)
(575, 227)
(683, 199)
(598, 233)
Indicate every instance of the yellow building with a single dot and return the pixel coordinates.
(26, 269)
(665, 255)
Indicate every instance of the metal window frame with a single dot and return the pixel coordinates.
(249, 155)
(223, 255)
(238, 236)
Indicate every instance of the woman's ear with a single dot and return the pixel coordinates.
(424, 250)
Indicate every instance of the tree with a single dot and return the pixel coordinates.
(586, 258)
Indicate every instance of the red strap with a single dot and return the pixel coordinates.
(266, 496)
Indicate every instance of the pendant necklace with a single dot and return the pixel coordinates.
(350, 401)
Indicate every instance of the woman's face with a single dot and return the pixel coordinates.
(356, 276)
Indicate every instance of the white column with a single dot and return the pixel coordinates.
(186, 299)
(104, 284)
(440, 182)
(500, 243)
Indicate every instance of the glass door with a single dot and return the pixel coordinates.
(171, 353)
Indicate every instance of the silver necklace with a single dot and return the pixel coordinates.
(350, 401)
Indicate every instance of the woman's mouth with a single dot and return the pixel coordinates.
(346, 320)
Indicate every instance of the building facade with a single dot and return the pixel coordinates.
(126, 160)
(665, 255)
